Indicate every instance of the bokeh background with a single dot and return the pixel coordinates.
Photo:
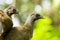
(45, 29)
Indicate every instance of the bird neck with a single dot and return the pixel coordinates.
(29, 24)
(29, 21)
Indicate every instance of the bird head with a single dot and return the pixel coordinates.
(32, 18)
(11, 10)
(36, 17)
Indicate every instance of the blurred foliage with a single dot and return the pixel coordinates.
(6, 5)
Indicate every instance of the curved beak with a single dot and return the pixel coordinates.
(41, 17)
(17, 12)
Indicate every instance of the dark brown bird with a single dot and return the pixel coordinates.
(7, 21)
(23, 32)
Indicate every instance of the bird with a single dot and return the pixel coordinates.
(5, 20)
(24, 32)
(8, 21)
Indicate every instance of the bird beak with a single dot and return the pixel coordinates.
(41, 17)
(17, 12)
